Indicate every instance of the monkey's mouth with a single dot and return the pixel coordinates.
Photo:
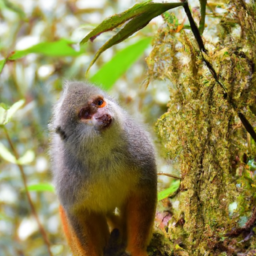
(103, 121)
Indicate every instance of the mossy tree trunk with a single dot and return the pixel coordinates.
(202, 130)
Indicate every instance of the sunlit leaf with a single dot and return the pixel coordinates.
(60, 48)
(169, 191)
(138, 21)
(6, 154)
(13, 109)
(41, 187)
(6, 114)
(112, 70)
(27, 158)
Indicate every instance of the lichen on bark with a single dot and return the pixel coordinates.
(201, 129)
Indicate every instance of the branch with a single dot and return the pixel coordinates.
(199, 40)
(247, 125)
(43, 232)
(200, 43)
(170, 175)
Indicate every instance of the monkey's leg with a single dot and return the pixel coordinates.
(86, 232)
(140, 218)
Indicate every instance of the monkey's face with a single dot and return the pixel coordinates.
(84, 113)
(96, 113)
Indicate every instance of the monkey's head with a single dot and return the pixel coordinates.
(84, 112)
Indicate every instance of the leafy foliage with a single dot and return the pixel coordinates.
(137, 17)
(112, 70)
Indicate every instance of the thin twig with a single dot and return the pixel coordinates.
(43, 232)
(194, 28)
(200, 43)
(169, 175)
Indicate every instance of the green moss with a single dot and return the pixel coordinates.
(202, 130)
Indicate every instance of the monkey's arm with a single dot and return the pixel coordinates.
(86, 232)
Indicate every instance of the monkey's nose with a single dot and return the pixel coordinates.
(104, 121)
(93, 109)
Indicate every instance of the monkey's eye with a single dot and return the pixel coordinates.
(84, 113)
(99, 102)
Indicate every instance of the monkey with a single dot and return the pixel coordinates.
(104, 171)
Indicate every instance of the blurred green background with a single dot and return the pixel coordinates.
(41, 39)
(39, 51)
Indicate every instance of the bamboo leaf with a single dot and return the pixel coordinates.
(41, 187)
(116, 20)
(136, 22)
(169, 191)
(60, 48)
(112, 70)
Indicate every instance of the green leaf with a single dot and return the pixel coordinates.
(6, 154)
(2, 63)
(6, 114)
(13, 109)
(112, 70)
(41, 187)
(203, 4)
(252, 164)
(116, 20)
(60, 48)
(27, 158)
(169, 191)
(137, 20)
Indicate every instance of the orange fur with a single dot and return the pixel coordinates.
(134, 223)
(140, 218)
(93, 232)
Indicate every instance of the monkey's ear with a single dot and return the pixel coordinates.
(61, 132)
(65, 87)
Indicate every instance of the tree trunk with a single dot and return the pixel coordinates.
(202, 131)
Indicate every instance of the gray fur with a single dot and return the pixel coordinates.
(87, 161)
